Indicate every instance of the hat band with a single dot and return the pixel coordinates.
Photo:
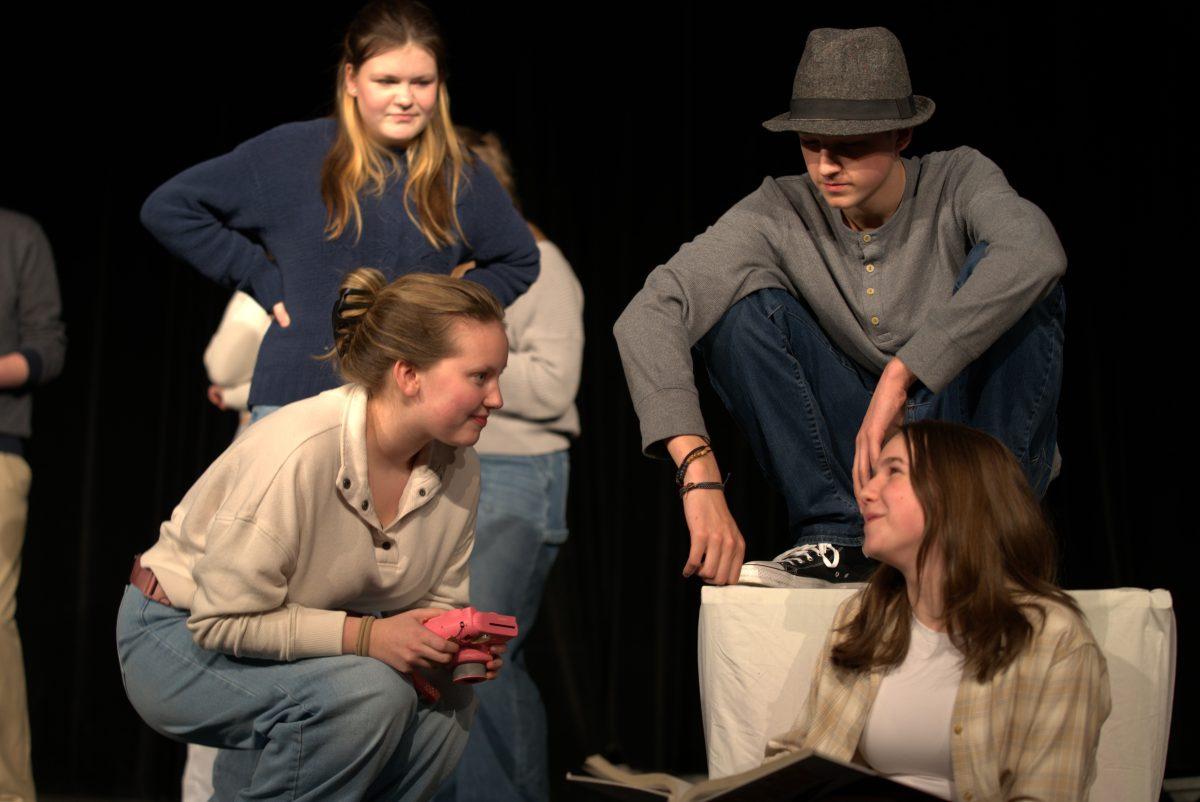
(821, 108)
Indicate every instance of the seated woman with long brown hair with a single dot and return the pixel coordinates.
(961, 669)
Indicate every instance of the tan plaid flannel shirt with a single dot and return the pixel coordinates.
(1029, 733)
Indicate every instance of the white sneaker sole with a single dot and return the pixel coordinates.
(768, 576)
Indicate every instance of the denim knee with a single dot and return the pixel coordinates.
(750, 314)
(367, 697)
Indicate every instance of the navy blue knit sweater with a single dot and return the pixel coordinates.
(224, 217)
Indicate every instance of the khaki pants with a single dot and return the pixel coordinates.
(16, 772)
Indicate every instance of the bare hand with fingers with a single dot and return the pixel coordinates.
(281, 315)
(884, 413)
(493, 666)
(216, 396)
(717, 544)
(404, 643)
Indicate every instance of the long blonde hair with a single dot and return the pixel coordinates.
(356, 163)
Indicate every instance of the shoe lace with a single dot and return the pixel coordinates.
(809, 552)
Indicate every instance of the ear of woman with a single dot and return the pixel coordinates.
(406, 379)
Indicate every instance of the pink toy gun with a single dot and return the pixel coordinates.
(473, 631)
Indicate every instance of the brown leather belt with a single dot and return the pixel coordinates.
(144, 580)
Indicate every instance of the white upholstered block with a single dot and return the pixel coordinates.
(758, 648)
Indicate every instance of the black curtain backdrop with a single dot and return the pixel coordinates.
(633, 126)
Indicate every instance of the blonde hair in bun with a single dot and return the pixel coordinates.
(376, 324)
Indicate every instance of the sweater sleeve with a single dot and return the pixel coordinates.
(497, 237)
(682, 300)
(240, 603)
(1023, 262)
(209, 216)
(231, 353)
(237, 397)
(542, 376)
(41, 334)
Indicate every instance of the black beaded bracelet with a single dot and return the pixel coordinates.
(690, 486)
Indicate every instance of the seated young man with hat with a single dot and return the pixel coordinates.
(830, 306)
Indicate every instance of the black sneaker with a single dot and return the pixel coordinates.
(813, 565)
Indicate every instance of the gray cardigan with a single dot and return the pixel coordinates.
(29, 316)
(878, 294)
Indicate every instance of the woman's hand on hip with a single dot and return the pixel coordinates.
(281, 315)
(404, 642)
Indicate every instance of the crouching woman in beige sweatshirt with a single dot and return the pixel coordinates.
(244, 625)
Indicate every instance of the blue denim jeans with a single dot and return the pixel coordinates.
(522, 522)
(261, 411)
(800, 401)
(341, 727)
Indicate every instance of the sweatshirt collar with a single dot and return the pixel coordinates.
(423, 484)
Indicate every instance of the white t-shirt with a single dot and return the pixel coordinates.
(907, 734)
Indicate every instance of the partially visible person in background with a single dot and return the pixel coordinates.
(229, 362)
(231, 353)
(33, 342)
(524, 464)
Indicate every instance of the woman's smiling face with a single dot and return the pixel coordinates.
(894, 519)
(396, 93)
(458, 393)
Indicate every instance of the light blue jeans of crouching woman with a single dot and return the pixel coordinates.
(341, 727)
(522, 522)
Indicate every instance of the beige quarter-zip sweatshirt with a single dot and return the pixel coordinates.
(279, 537)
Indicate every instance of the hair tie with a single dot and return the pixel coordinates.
(343, 304)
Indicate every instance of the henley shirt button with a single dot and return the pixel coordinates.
(421, 492)
(387, 544)
(866, 237)
(870, 268)
(365, 504)
(874, 322)
(345, 484)
(958, 729)
(870, 290)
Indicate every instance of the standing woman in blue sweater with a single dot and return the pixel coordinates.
(383, 182)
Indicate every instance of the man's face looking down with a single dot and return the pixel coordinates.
(860, 175)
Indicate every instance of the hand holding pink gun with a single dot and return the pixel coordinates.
(480, 637)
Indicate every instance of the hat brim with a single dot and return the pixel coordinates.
(784, 122)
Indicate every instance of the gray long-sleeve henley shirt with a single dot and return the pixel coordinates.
(877, 294)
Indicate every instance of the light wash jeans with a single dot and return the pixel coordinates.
(522, 522)
(342, 727)
(261, 411)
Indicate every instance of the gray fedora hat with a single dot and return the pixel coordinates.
(852, 82)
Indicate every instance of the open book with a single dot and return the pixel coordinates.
(795, 777)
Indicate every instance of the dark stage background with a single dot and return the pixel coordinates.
(633, 126)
